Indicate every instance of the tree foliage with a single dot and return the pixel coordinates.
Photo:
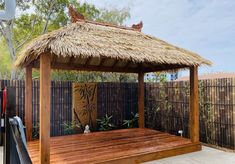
(156, 77)
(41, 16)
(5, 67)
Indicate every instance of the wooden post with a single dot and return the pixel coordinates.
(45, 90)
(194, 105)
(141, 99)
(28, 103)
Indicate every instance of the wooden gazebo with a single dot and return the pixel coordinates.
(93, 46)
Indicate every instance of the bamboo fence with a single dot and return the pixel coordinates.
(166, 106)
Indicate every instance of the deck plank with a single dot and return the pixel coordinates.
(132, 145)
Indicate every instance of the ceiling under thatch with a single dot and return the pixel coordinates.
(86, 45)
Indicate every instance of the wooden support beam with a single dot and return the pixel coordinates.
(127, 65)
(71, 60)
(28, 102)
(62, 66)
(86, 67)
(88, 61)
(141, 99)
(115, 63)
(102, 62)
(45, 95)
(194, 105)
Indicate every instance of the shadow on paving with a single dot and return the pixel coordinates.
(206, 156)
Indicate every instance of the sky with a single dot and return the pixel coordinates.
(206, 27)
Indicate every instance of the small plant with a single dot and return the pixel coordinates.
(133, 122)
(36, 131)
(70, 128)
(105, 124)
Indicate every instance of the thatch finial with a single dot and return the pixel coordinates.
(75, 16)
(138, 26)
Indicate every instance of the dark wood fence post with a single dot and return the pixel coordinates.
(10, 112)
(141, 99)
(28, 103)
(233, 95)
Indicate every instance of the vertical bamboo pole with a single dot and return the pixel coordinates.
(194, 105)
(141, 99)
(233, 111)
(28, 102)
(45, 87)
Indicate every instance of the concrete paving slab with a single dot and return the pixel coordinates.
(206, 156)
(1, 155)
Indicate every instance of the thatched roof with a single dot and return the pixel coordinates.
(104, 47)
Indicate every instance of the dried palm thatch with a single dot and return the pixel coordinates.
(98, 45)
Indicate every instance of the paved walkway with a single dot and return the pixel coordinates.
(1, 155)
(206, 156)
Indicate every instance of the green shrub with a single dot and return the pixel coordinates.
(133, 122)
(105, 124)
(70, 128)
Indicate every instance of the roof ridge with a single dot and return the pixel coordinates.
(76, 16)
(107, 24)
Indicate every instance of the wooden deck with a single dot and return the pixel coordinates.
(118, 146)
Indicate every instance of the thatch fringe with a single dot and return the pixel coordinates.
(86, 39)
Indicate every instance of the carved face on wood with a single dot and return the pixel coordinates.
(75, 16)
